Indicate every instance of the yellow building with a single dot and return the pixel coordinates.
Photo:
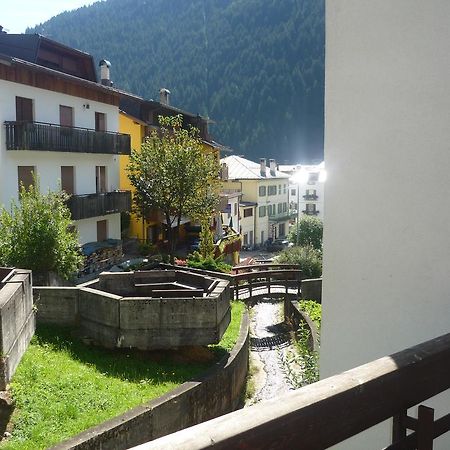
(137, 117)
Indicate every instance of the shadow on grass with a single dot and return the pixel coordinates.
(128, 364)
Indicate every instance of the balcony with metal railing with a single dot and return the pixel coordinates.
(56, 138)
(101, 204)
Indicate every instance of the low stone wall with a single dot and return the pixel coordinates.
(312, 289)
(294, 316)
(216, 393)
(17, 320)
(56, 305)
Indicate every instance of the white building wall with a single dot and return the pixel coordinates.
(385, 282)
(48, 164)
(248, 223)
(87, 228)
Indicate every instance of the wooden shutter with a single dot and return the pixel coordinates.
(24, 109)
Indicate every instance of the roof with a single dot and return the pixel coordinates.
(45, 52)
(244, 169)
(248, 204)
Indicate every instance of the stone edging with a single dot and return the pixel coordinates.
(217, 392)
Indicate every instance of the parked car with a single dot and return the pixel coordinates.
(277, 245)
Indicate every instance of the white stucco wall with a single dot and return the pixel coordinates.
(387, 153)
(87, 228)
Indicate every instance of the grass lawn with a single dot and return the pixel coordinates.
(63, 387)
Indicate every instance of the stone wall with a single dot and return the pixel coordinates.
(216, 393)
(113, 321)
(312, 289)
(17, 320)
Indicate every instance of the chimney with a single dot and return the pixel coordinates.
(164, 95)
(224, 172)
(262, 166)
(104, 72)
(273, 167)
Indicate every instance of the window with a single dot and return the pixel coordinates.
(248, 212)
(271, 209)
(102, 230)
(279, 189)
(310, 207)
(25, 176)
(262, 237)
(293, 192)
(313, 178)
(281, 229)
(100, 179)
(100, 121)
(24, 109)
(262, 211)
(272, 190)
(284, 189)
(280, 208)
(67, 179)
(65, 116)
(251, 238)
(285, 207)
(262, 191)
(246, 239)
(236, 209)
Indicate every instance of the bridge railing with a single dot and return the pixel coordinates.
(328, 412)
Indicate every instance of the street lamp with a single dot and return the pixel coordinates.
(300, 177)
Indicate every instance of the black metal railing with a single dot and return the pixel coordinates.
(93, 205)
(310, 197)
(52, 137)
(310, 212)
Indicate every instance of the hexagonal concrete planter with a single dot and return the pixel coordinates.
(147, 310)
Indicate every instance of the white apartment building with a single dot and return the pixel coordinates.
(386, 283)
(266, 188)
(59, 123)
(306, 188)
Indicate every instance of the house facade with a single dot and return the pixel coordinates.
(306, 188)
(385, 281)
(266, 189)
(61, 125)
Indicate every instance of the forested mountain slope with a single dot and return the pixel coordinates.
(256, 67)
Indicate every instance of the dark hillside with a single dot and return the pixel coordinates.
(254, 66)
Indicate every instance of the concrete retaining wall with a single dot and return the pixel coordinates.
(294, 316)
(17, 321)
(216, 393)
(312, 289)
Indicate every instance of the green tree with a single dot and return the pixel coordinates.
(310, 232)
(173, 173)
(37, 234)
(308, 258)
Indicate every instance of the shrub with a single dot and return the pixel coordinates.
(310, 230)
(196, 261)
(308, 258)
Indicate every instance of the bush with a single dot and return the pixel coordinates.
(310, 230)
(308, 258)
(147, 248)
(196, 261)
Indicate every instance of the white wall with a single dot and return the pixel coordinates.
(48, 164)
(386, 265)
(87, 228)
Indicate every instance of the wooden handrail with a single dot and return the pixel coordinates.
(329, 411)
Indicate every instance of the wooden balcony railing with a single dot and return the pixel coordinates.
(328, 412)
(55, 138)
(93, 205)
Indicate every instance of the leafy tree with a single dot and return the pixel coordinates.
(173, 173)
(37, 234)
(310, 232)
(308, 258)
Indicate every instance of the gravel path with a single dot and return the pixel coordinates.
(270, 351)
